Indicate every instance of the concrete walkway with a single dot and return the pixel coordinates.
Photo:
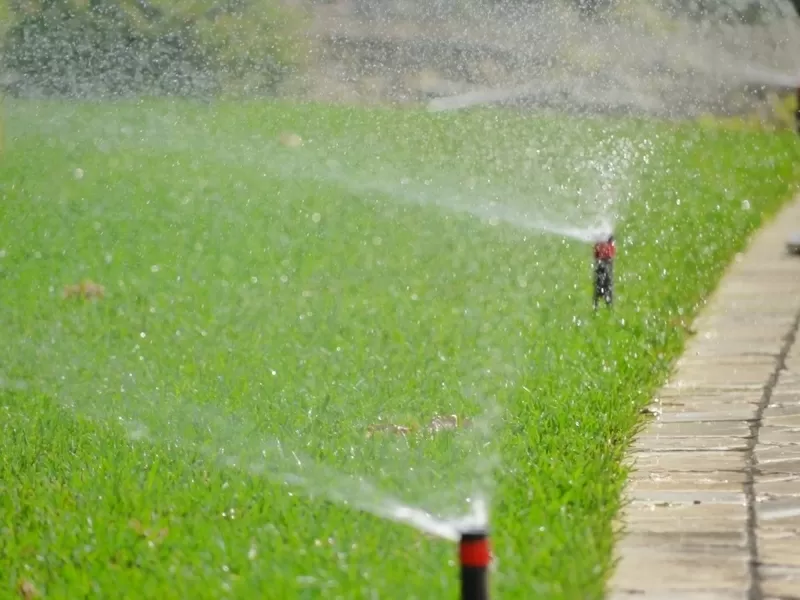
(714, 509)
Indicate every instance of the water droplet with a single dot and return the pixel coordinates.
(316, 217)
(155, 269)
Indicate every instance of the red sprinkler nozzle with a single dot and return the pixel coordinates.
(474, 556)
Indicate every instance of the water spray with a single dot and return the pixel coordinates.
(474, 558)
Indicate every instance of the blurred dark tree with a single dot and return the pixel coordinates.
(88, 48)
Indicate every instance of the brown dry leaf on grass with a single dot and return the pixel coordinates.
(290, 140)
(437, 424)
(681, 323)
(389, 428)
(27, 590)
(151, 535)
(85, 290)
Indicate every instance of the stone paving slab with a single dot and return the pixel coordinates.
(711, 461)
(713, 498)
(694, 429)
(780, 581)
(698, 481)
(778, 484)
(723, 413)
(652, 444)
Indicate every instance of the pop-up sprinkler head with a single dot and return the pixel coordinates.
(793, 243)
(474, 557)
(797, 111)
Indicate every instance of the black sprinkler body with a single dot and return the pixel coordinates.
(474, 557)
(797, 111)
(604, 253)
(793, 244)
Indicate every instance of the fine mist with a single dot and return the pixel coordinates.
(625, 57)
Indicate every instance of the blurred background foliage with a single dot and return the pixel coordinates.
(111, 48)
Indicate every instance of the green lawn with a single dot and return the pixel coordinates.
(264, 305)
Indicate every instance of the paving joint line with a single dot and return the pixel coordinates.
(754, 591)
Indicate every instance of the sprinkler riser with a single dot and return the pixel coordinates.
(474, 583)
(797, 112)
(474, 558)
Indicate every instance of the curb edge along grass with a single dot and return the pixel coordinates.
(688, 526)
